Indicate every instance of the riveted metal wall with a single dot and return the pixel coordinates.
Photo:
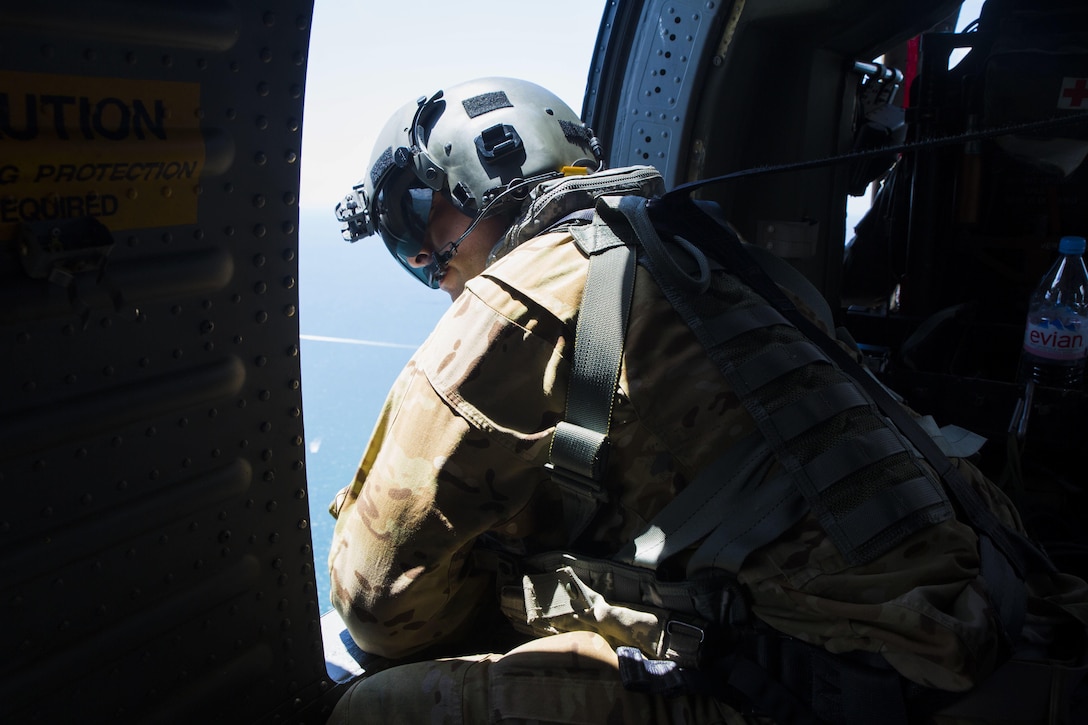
(643, 119)
(155, 555)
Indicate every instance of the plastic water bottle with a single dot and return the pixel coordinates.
(1056, 335)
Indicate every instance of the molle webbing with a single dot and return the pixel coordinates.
(861, 478)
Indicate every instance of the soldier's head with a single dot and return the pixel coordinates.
(450, 171)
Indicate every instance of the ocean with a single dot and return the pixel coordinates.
(361, 317)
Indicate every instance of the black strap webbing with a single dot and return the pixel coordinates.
(579, 447)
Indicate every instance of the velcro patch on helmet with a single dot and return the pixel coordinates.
(381, 166)
(576, 133)
(485, 103)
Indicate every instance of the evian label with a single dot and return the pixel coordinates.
(1055, 339)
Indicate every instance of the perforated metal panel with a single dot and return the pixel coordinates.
(652, 81)
(155, 555)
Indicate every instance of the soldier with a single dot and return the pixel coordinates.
(824, 539)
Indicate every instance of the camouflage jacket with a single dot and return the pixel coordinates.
(459, 452)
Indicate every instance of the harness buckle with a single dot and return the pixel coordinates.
(576, 483)
(683, 642)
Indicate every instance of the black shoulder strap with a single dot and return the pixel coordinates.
(579, 447)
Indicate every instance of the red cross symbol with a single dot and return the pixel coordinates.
(1074, 93)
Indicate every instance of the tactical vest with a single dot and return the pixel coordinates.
(870, 483)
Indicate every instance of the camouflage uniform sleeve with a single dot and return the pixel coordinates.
(458, 452)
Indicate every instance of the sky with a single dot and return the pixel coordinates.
(369, 57)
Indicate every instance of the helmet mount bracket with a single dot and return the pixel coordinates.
(498, 141)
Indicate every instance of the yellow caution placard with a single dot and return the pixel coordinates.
(128, 153)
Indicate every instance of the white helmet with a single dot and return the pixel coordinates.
(483, 145)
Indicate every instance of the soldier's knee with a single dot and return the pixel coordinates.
(355, 702)
(447, 690)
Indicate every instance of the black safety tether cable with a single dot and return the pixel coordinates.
(922, 145)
